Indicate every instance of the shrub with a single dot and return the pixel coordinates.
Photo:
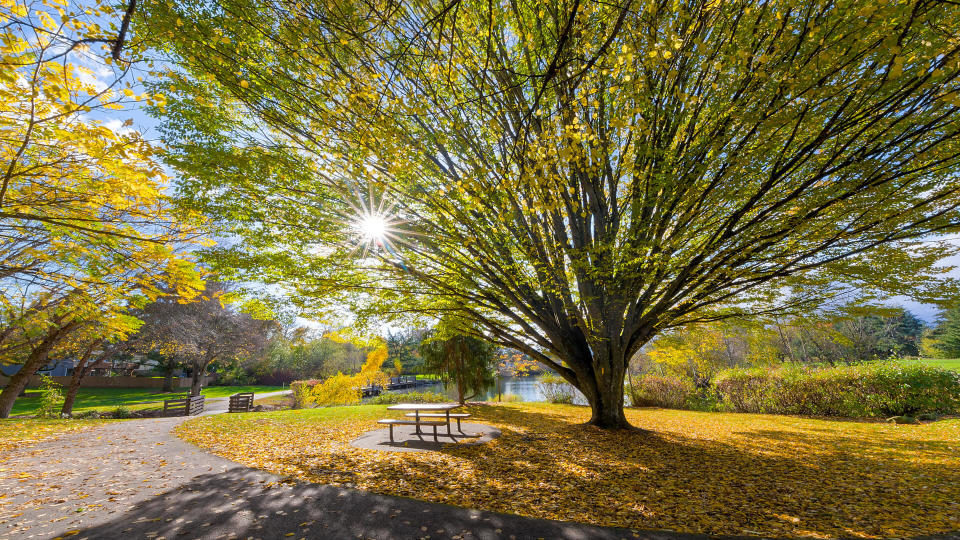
(337, 390)
(390, 398)
(510, 398)
(661, 391)
(235, 376)
(556, 389)
(875, 389)
(121, 411)
(51, 398)
(277, 377)
(301, 391)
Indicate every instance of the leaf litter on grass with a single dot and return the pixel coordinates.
(709, 473)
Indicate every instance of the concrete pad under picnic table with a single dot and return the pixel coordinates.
(407, 440)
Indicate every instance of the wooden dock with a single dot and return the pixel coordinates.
(396, 383)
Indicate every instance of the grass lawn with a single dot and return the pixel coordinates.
(946, 363)
(17, 432)
(694, 472)
(134, 398)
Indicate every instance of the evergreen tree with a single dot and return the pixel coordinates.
(462, 359)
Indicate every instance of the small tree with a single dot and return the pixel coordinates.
(944, 339)
(51, 397)
(463, 359)
(343, 389)
(202, 331)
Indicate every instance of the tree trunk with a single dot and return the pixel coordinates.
(607, 408)
(199, 368)
(601, 382)
(196, 380)
(36, 360)
(168, 376)
(79, 372)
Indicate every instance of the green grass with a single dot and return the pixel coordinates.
(945, 363)
(102, 399)
(224, 391)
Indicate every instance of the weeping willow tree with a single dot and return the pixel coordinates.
(571, 177)
(462, 359)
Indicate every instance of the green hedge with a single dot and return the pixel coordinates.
(880, 389)
(875, 389)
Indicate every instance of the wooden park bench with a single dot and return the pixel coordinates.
(242, 402)
(458, 416)
(392, 422)
(189, 406)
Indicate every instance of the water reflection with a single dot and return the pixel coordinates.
(525, 388)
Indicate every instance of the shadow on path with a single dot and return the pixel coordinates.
(240, 502)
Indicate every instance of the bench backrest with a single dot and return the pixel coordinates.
(183, 407)
(242, 402)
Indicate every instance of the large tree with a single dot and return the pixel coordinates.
(573, 177)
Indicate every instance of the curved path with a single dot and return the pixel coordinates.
(133, 479)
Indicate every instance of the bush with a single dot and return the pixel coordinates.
(556, 389)
(661, 391)
(301, 391)
(121, 411)
(337, 390)
(390, 398)
(277, 377)
(235, 376)
(876, 389)
(51, 398)
(510, 398)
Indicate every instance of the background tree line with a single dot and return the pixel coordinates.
(845, 336)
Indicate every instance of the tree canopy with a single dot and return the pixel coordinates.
(86, 228)
(572, 178)
(465, 360)
(202, 331)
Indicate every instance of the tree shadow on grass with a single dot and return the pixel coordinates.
(239, 502)
(780, 481)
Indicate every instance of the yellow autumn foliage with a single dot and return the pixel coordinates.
(342, 389)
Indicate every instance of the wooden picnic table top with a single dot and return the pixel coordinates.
(423, 406)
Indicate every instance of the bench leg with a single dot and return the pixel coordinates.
(391, 433)
(435, 439)
(460, 429)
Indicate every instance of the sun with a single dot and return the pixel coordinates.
(372, 228)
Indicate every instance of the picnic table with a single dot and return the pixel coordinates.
(424, 414)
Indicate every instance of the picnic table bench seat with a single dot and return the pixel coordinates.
(394, 422)
(458, 416)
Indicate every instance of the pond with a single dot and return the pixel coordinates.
(525, 388)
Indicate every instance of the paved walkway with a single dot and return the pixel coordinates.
(133, 479)
(220, 405)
